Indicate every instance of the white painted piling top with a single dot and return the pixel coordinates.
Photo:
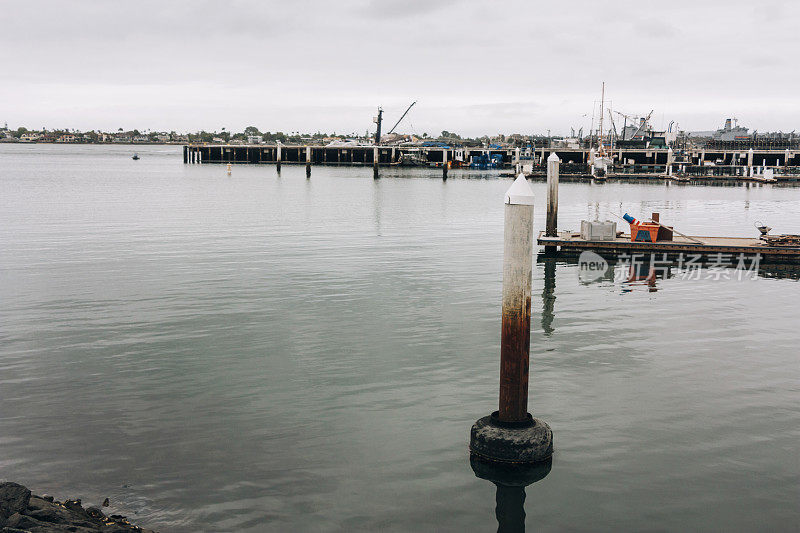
(520, 193)
(553, 157)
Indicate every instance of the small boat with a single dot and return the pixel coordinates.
(412, 159)
(599, 163)
(135, 157)
(600, 160)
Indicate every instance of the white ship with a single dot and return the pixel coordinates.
(599, 160)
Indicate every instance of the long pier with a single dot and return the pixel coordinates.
(330, 155)
(627, 162)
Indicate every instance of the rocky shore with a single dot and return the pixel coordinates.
(23, 512)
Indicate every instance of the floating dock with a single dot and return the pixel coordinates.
(571, 244)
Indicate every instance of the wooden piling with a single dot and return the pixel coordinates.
(444, 163)
(516, 322)
(308, 161)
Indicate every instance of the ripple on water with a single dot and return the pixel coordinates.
(270, 353)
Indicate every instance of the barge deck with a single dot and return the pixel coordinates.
(571, 244)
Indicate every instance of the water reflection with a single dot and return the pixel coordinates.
(377, 200)
(644, 272)
(510, 481)
(549, 295)
(648, 271)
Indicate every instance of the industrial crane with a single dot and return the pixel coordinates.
(634, 119)
(625, 123)
(379, 121)
(614, 127)
(643, 123)
(402, 116)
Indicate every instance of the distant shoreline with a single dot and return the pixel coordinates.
(181, 143)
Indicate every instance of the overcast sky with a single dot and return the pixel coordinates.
(473, 67)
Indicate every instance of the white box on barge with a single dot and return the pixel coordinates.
(598, 231)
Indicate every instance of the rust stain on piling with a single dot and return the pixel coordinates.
(514, 363)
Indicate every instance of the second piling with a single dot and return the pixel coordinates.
(551, 226)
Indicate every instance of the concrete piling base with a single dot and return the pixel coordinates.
(526, 442)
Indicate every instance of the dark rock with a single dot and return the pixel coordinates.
(95, 512)
(21, 521)
(47, 515)
(73, 505)
(13, 498)
(37, 502)
(24, 513)
(106, 503)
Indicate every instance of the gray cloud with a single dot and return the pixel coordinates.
(474, 67)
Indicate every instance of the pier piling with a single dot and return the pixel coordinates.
(278, 158)
(517, 268)
(444, 164)
(375, 160)
(308, 161)
(551, 229)
(670, 160)
(511, 434)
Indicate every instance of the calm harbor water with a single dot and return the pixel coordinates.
(268, 353)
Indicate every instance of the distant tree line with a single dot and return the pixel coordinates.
(225, 136)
